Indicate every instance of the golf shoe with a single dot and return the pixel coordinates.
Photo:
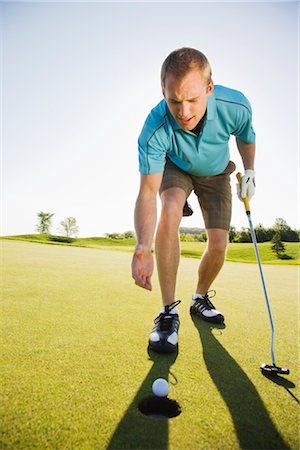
(201, 306)
(164, 336)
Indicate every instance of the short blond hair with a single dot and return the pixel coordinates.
(183, 60)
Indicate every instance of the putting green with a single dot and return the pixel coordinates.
(74, 360)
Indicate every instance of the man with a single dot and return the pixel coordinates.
(183, 147)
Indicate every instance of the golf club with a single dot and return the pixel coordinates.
(265, 368)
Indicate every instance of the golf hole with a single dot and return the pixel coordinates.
(159, 407)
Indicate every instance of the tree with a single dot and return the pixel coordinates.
(201, 237)
(281, 225)
(44, 222)
(129, 234)
(244, 235)
(277, 246)
(232, 234)
(261, 233)
(189, 237)
(285, 231)
(69, 227)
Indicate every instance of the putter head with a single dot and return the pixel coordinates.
(272, 369)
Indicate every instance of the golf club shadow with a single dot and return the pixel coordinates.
(286, 384)
(253, 425)
(135, 430)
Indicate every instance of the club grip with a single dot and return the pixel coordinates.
(245, 200)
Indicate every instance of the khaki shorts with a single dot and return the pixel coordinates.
(214, 193)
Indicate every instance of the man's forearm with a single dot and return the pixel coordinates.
(247, 152)
(145, 216)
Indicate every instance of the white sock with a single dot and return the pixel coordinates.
(195, 296)
(173, 311)
(207, 313)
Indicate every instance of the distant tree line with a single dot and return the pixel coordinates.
(279, 232)
(280, 228)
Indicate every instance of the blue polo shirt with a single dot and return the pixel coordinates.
(228, 113)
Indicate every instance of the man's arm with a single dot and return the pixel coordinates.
(145, 217)
(247, 152)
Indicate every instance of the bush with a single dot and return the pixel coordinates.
(285, 256)
(114, 236)
(65, 239)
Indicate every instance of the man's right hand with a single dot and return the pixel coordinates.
(142, 267)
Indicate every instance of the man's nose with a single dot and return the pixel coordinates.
(183, 110)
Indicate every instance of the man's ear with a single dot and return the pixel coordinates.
(210, 88)
(163, 92)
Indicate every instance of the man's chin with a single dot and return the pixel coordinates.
(187, 125)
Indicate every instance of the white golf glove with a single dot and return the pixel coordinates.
(247, 185)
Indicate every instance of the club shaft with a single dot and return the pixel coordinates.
(263, 283)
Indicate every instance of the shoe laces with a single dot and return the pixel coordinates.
(166, 318)
(206, 300)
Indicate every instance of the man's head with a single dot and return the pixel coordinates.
(186, 85)
(181, 61)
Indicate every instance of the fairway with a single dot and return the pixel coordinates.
(74, 359)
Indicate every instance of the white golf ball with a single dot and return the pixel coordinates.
(160, 387)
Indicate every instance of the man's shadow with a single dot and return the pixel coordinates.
(135, 430)
(253, 425)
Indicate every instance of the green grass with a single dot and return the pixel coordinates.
(245, 252)
(101, 243)
(236, 252)
(74, 361)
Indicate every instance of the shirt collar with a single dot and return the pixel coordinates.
(211, 112)
(211, 107)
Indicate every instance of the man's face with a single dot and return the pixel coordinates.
(187, 98)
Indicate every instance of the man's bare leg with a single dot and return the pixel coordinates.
(212, 259)
(167, 248)
(209, 267)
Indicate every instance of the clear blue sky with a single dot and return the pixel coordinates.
(78, 80)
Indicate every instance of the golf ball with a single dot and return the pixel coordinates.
(160, 387)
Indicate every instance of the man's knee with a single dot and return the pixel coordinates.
(217, 241)
(172, 201)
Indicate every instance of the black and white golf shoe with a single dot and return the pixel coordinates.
(203, 307)
(164, 336)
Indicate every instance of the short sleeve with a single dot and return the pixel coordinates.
(244, 129)
(152, 148)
